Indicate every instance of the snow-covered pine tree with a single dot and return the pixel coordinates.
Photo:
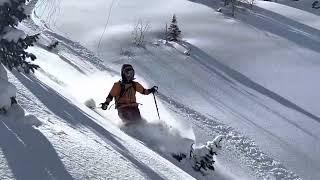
(14, 42)
(174, 32)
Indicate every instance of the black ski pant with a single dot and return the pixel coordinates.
(129, 114)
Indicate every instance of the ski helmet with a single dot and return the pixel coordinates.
(127, 73)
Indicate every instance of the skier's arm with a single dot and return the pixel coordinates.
(144, 91)
(115, 90)
(113, 93)
(141, 89)
(109, 98)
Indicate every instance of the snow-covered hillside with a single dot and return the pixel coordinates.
(251, 78)
(73, 142)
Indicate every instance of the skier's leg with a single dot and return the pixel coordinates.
(136, 116)
(133, 114)
(123, 114)
(129, 114)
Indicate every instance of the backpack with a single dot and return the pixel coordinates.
(123, 90)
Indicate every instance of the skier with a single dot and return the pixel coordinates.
(124, 92)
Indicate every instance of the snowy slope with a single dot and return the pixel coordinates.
(295, 14)
(265, 86)
(96, 89)
(264, 36)
(305, 5)
(73, 142)
(251, 79)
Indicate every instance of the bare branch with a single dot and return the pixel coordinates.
(139, 31)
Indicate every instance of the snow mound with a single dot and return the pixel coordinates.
(17, 114)
(180, 47)
(7, 90)
(214, 145)
(11, 110)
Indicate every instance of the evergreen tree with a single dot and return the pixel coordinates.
(14, 42)
(174, 32)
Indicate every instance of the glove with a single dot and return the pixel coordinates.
(104, 105)
(153, 89)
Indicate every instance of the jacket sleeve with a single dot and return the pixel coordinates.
(115, 91)
(141, 89)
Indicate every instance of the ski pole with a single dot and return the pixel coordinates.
(155, 101)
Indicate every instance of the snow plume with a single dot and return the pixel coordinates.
(94, 86)
(167, 134)
(97, 86)
(211, 147)
(160, 137)
(64, 72)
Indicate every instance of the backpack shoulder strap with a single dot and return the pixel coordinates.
(122, 89)
(134, 85)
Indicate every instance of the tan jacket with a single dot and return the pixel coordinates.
(129, 95)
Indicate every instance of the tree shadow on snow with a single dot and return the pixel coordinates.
(74, 116)
(29, 153)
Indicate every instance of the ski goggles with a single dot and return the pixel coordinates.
(128, 69)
